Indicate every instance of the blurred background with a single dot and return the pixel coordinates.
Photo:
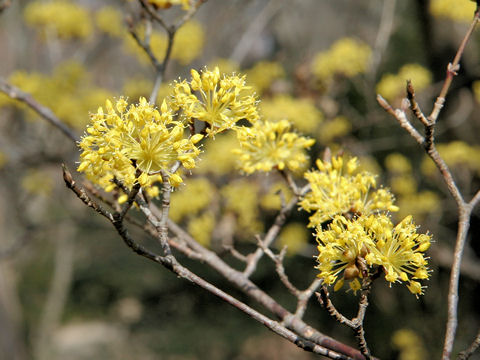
(70, 289)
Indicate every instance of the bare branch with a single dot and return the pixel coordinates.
(401, 118)
(17, 94)
(82, 195)
(278, 260)
(270, 236)
(464, 355)
(452, 69)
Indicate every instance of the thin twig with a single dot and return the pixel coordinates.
(17, 94)
(452, 69)
(305, 296)
(464, 355)
(278, 260)
(82, 195)
(273, 231)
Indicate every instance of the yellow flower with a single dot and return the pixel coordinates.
(38, 182)
(295, 237)
(218, 158)
(347, 57)
(219, 101)
(189, 200)
(69, 92)
(397, 163)
(59, 18)
(409, 344)
(392, 86)
(110, 20)
(301, 112)
(338, 189)
(337, 127)
(241, 198)
(350, 248)
(127, 138)
(263, 74)
(201, 228)
(268, 145)
(462, 11)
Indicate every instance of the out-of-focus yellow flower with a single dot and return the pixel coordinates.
(476, 90)
(219, 101)
(201, 228)
(226, 66)
(188, 44)
(372, 240)
(69, 92)
(337, 127)
(218, 158)
(392, 86)
(295, 237)
(241, 198)
(37, 182)
(462, 11)
(301, 112)
(263, 74)
(347, 57)
(409, 344)
(189, 200)
(126, 138)
(59, 18)
(404, 184)
(398, 164)
(165, 4)
(110, 20)
(272, 199)
(268, 145)
(339, 189)
(455, 154)
(419, 204)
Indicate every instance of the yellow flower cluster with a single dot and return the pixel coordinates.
(455, 154)
(126, 139)
(271, 145)
(262, 75)
(462, 11)
(337, 188)
(301, 112)
(351, 246)
(360, 236)
(188, 44)
(392, 86)
(69, 92)
(219, 101)
(59, 18)
(165, 4)
(347, 57)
